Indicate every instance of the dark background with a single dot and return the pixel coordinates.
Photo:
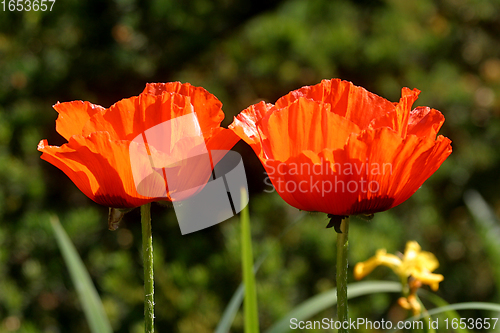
(242, 52)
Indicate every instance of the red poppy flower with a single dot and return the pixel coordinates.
(103, 153)
(339, 149)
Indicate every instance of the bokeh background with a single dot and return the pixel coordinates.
(243, 52)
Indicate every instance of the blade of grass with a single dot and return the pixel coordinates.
(488, 229)
(325, 300)
(250, 302)
(234, 304)
(91, 303)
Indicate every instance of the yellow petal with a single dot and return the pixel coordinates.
(412, 250)
(410, 303)
(380, 259)
(415, 305)
(428, 278)
(427, 260)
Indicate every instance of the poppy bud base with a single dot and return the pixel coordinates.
(335, 221)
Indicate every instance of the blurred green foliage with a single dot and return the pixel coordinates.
(243, 52)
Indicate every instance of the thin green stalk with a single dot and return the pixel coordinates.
(342, 245)
(147, 252)
(250, 303)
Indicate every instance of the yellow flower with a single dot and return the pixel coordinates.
(415, 263)
(414, 269)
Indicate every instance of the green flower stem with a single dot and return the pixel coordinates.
(342, 245)
(147, 252)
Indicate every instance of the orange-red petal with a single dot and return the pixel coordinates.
(347, 100)
(303, 125)
(245, 125)
(100, 168)
(398, 118)
(425, 122)
(73, 116)
(130, 117)
(108, 159)
(403, 164)
(206, 105)
(371, 154)
(376, 170)
(222, 139)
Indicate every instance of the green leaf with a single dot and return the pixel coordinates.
(457, 306)
(250, 303)
(439, 302)
(325, 300)
(227, 319)
(466, 306)
(92, 305)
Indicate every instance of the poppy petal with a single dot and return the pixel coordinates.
(425, 122)
(372, 154)
(222, 139)
(376, 171)
(347, 100)
(245, 125)
(304, 125)
(130, 117)
(111, 154)
(408, 97)
(101, 169)
(211, 115)
(399, 166)
(73, 116)
(397, 120)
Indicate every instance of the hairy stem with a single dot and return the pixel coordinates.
(147, 252)
(342, 264)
